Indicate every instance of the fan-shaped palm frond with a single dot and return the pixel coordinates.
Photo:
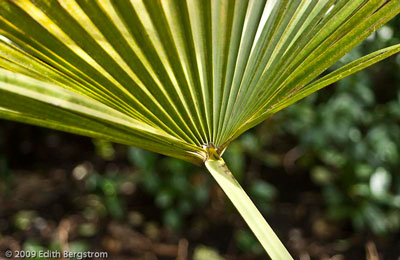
(182, 78)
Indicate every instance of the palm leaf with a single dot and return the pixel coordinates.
(182, 78)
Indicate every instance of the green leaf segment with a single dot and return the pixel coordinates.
(177, 77)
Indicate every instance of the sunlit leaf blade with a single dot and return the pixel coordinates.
(177, 77)
(199, 71)
(28, 100)
(343, 72)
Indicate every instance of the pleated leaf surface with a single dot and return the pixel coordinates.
(174, 76)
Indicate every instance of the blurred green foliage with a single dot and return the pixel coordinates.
(4, 173)
(206, 253)
(177, 186)
(349, 136)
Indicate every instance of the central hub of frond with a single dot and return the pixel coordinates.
(212, 151)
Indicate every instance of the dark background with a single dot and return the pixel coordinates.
(324, 172)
